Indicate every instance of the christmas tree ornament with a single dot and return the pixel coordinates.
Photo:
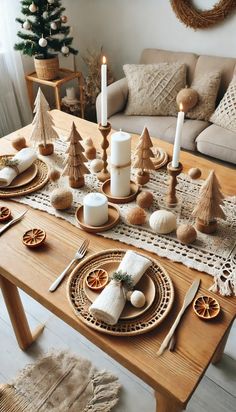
(19, 143)
(26, 25)
(51, 1)
(43, 42)
(143, 154)
(61, 198)
(137, 299)
(162, 222)
(188, 98)
(96, 165)
(145, 199)
(45, 15)
(65, 50)
(64, 19)
(33, 8)
(186, 234)
(136, 216)
(53, 25)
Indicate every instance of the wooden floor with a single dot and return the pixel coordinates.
(216, 392)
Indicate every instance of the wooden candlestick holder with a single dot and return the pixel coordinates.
(104, 130)
(171, 198)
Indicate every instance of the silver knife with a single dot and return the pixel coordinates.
(9, 224)
(187, 300)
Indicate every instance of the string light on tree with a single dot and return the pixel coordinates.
(33, 8)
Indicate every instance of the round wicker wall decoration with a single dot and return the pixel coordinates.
(193, 17)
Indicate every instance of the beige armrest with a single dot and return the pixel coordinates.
(117, 94)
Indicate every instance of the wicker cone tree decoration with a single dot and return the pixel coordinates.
(209, 208)
(75, 167)
(143, 154)
(43, 131)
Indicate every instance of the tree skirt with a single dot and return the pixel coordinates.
(58, 383)
(214, 254)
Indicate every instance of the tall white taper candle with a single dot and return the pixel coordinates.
(104, 92)
(178, 135)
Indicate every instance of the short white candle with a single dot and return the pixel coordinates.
(104, 92)
(70, 93)
(178, 135)
(95, 209)
(120, 164)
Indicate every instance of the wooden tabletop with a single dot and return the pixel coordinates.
(173, 374)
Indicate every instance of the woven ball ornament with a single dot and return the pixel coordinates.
(136, 216)
(145, 199)
(19, 143)
(162, 222)
(54, 175)
(188, 98)
(43, 42)
(61, 199)
(186, 234)
(33, 8)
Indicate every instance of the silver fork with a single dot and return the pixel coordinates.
(12, 222)
(79, 255)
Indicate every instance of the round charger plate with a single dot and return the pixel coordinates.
(155, 314)
(146, 285)
(37, 183)
(113, 219)
(134, 190)
(161, 158)
(26, 177)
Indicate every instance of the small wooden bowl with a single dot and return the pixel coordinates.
(113, 219)
(97, 279)
(5, 214)
(134, 190)
(206, 307)
(34, 238)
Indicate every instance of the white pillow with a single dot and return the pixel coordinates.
(225, 113)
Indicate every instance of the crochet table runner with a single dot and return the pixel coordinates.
(214, 254)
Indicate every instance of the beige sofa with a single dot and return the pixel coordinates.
(198, 135)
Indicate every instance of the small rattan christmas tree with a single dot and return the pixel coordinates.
(143, 154)
(75, 167)
(43, 131)
(208, 208)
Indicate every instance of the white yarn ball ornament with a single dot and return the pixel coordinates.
(43, 42)
(96, 165)
(26, 25)
(162, 222)
(45, 14)
(137, 299)
(33, 8)
(65, 50)
(53, 25)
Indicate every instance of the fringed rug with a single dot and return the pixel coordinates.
(59, 383)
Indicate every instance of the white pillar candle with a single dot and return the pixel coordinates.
(104, 92)
(95, 209)
(178, 135)
(120, 164)
(70, 93)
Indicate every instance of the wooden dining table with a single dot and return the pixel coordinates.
(175, 375)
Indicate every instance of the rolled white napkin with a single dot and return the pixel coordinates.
(25, 158)
(110, 303)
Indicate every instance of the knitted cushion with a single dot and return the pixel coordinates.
(225, 114)
(153, 88)
(207, 87)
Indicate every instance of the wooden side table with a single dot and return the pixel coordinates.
(65, 75)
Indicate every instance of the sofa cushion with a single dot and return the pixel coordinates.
(153, 88)
(215, 141)
(225, 114)
(162, 127)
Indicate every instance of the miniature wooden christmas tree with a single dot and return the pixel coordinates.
(143, 155)
(43, 131)
(75, 167)
(209, 208)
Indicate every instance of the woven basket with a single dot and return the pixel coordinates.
(47, 69)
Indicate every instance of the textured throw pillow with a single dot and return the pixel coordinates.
(225, 113)
(153, 88)
(207, 87)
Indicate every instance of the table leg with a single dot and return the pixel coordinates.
(219, 352)
(17, 315)
(58, 98)
(81, 95)
(164, 404)
(29, 85)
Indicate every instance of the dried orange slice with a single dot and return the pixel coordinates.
(5, 214)
(34, 237)
(206, 307)
(97, 279)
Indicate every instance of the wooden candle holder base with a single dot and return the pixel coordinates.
(171, 198)
(142, 178)
(76, 183)
(207, 228)
(104, 130)
(46, 150)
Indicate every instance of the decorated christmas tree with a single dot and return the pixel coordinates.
(143, 154)
(43, 131)
(75, 167)
(208, 208)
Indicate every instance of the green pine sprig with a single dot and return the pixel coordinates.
(123, 278)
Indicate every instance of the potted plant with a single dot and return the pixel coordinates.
(44, 33)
